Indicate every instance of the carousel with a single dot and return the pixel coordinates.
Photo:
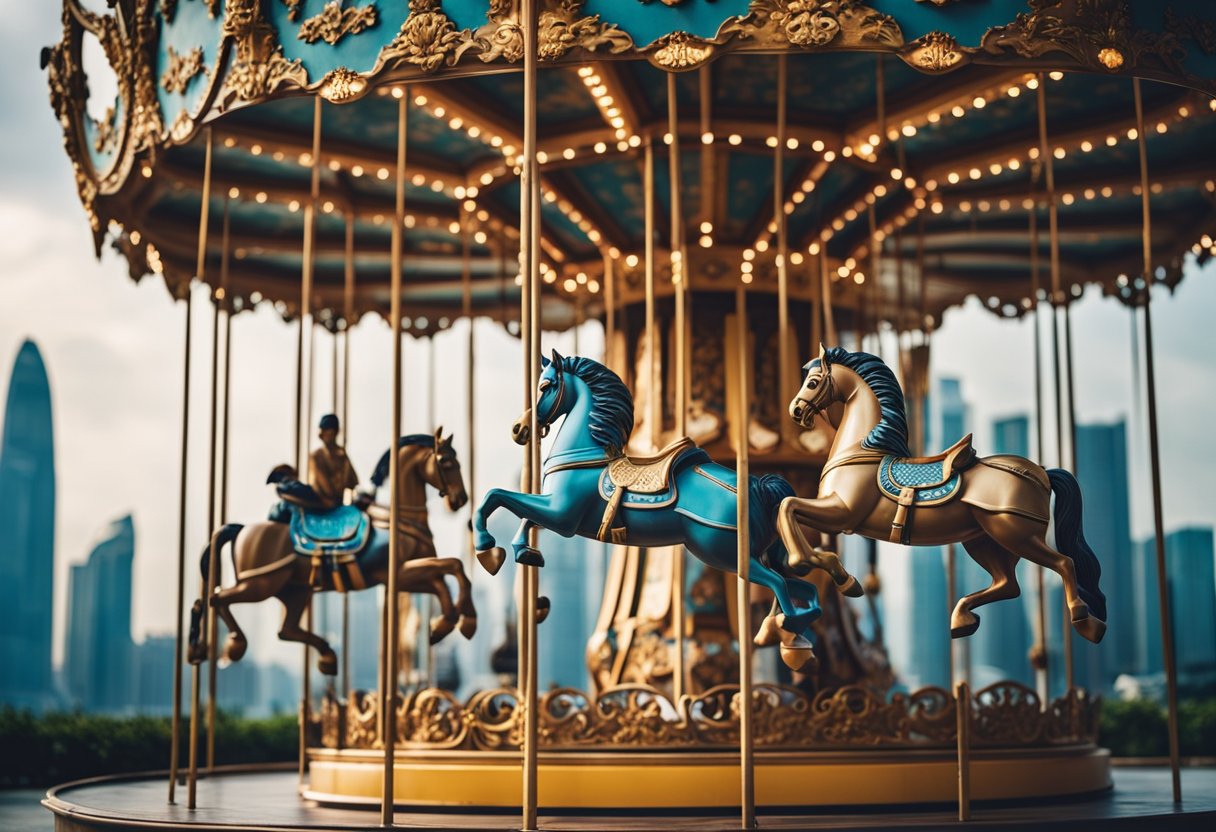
(768, 205)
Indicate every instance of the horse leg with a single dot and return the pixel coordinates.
(1026, 538)
(429, 574)
(464, 595)
(1001, 565)
(295, 601)
(524, 551)
(791, 625)
(826, 514)
(549, 511)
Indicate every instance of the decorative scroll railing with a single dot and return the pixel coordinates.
(636, 717)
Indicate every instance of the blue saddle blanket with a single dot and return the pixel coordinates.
(344, 530)
(896, 473)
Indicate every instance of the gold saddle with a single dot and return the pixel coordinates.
(638, 475)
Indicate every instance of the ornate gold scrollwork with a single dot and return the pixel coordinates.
(294, 7)
(1095, 33)
(259, 67)
(428, 38)
(106, 136)
(336, 21)
(182, 67)
(639, 716)
(502, 37)
(168, 10)
(934, 52)
(813, 24)
(562, 29)
(680, 50)
(342, 85)
(1201, 30)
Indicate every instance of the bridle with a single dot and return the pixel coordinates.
(439, 472)
(543, 429)
(822, 397)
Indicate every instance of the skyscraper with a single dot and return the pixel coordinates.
(27, 547)
(1189, 565)
(100, 653)
(1101, 452)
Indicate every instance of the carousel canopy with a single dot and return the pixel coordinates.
(911, 146)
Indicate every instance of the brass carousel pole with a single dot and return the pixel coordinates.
(1163, 587)
(348, 313)
(784, 360)
(743, 557)
(609, 309)
(679, 271)
(654, 402)
(388, 646)
(303, 404)
(466, 303)
(199, 272)
(530, 254)
(1038, 653)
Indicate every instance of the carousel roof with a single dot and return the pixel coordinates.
(912, 129)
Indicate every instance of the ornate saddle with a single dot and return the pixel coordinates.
(922, 481)
(332, 539)
(643, 482)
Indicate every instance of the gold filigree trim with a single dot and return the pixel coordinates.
(179, 131)
(428, 38)
(259, 67)
(106, 136)
(181, 68)
(562, 29)
(935, 52)
(342, 85)
(811, 24)
(680, 50)
(638, 716)
(335, 22)
(502, 37)
(293, 9)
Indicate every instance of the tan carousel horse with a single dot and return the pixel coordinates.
(268, 564)
(1000, 508)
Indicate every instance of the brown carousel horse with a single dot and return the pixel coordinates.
(267, 563)
(998, 507)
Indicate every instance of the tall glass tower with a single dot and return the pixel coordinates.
(27, 546)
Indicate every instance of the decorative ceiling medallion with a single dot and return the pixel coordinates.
(181, 69)
(1110, 58)
(428, 38)
(935, 52)
(812, 24)
(502, 37)
(335, 22)
(680, 50)
(259, 67)
(342, 85)
(562, 29)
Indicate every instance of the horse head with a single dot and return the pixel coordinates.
(442, 471)
(551, 401)
(817, 391)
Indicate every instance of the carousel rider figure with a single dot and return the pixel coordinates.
(330, 473)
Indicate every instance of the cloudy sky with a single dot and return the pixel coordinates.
(114, 353)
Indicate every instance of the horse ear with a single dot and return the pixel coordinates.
(557, 359)
(823, 357)
(448, 441)
(438, 436)
(544, 362)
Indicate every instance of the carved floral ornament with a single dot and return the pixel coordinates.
(336, 21)
(182, 67)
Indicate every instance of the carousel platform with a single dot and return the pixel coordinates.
(268, 799)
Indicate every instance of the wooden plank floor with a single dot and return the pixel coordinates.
(268, 801)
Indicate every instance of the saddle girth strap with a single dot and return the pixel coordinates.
(901, 531)
(606, 532)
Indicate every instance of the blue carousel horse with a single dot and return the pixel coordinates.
(677, 497)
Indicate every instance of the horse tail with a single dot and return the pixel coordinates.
(765, 495)
(196, 651)
(1070, 540)
(222, 536)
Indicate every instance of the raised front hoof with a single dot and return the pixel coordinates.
(527, 556)
(961, 628)
(799, 656)
(440, 627)
(1091, 629)
(327, 663)
(542, 609)
(468, 625)
(235, 648)
(492, 559)
(851, 587)
(769, 632)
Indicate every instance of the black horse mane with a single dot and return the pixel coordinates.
(424, 440)
(611, 419)
(891, 432)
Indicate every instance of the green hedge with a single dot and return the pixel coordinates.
(38, 751)
(1137, 728)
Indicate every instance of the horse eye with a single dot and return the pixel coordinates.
(813, 383)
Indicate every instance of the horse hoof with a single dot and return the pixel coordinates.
(527, 556)
(873, 584)
(235, 649)
(327, 663)
(492, 559)
(964, 630)
(542, 609)
(1079, 613)
(440, 627)
(851, 587)
(196, 653)
(799, 656)
(1091, 629)
(468, 625)
(769, 632)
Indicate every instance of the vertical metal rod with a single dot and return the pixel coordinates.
(951, 596)
(829, 317)
(466, 281)
(388, 695)
(609, 310)
(348, 315)
(211, 580)
(1045, 155)
(1163, 587)
(1038, 656)
(815, 277)
(225, 294)
(679, 273)
(200, 269)
(530, 243)
(743, 562)
(654, 401)
(784, 360)
(1071, 430)
(962, 700)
